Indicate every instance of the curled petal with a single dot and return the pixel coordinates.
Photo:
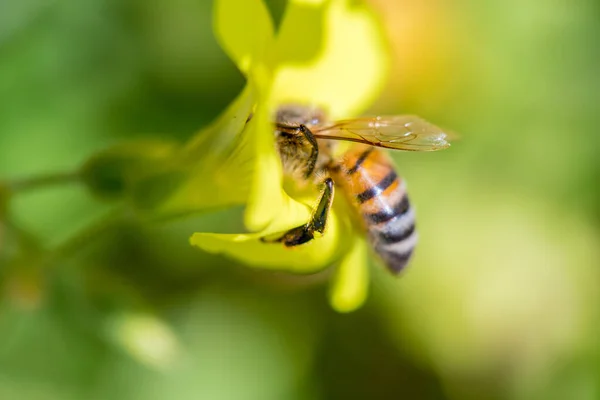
(306, 258)
(244, 29)
(268, 204)
(348, 72)
(216, 166)
(301, 35)
(266, 196)
(350, 285)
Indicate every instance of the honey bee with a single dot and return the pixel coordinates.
(306, 143)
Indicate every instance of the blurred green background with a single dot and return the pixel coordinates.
(501, 301)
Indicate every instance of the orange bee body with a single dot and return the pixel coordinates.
(371, 183)
(364, 173)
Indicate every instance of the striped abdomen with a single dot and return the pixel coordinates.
(380, 196)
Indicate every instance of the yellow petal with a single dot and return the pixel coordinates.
(350, 70)
(268, 203)
(350, 285)
(311, 2)
(146, 338)
(266, 195)
(306, 258)
(244, 29)
(220, 134)
(217, 164)
(301, 35)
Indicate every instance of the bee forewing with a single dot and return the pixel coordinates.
(400, 132)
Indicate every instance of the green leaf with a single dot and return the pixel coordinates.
(4, 197)
(244, 29)
(228, 335)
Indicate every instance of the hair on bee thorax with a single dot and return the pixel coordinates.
(293, 151)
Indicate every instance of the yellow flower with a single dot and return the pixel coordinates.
(325, 53)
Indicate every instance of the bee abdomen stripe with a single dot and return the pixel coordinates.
(396, 237)
(397, 261)
(383, 216)
(361, 159)
(373, 191)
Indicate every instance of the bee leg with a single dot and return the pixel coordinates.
(305, 233)
(314, 154)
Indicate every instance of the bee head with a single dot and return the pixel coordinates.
(296, 114)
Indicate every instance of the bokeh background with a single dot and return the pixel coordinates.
(501, 301)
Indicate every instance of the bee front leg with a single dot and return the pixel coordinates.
(314, 154)
(305, 233)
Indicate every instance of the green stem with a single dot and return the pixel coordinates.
(35, 182)
(85, 236)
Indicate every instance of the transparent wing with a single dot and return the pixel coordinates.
(401, 132)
